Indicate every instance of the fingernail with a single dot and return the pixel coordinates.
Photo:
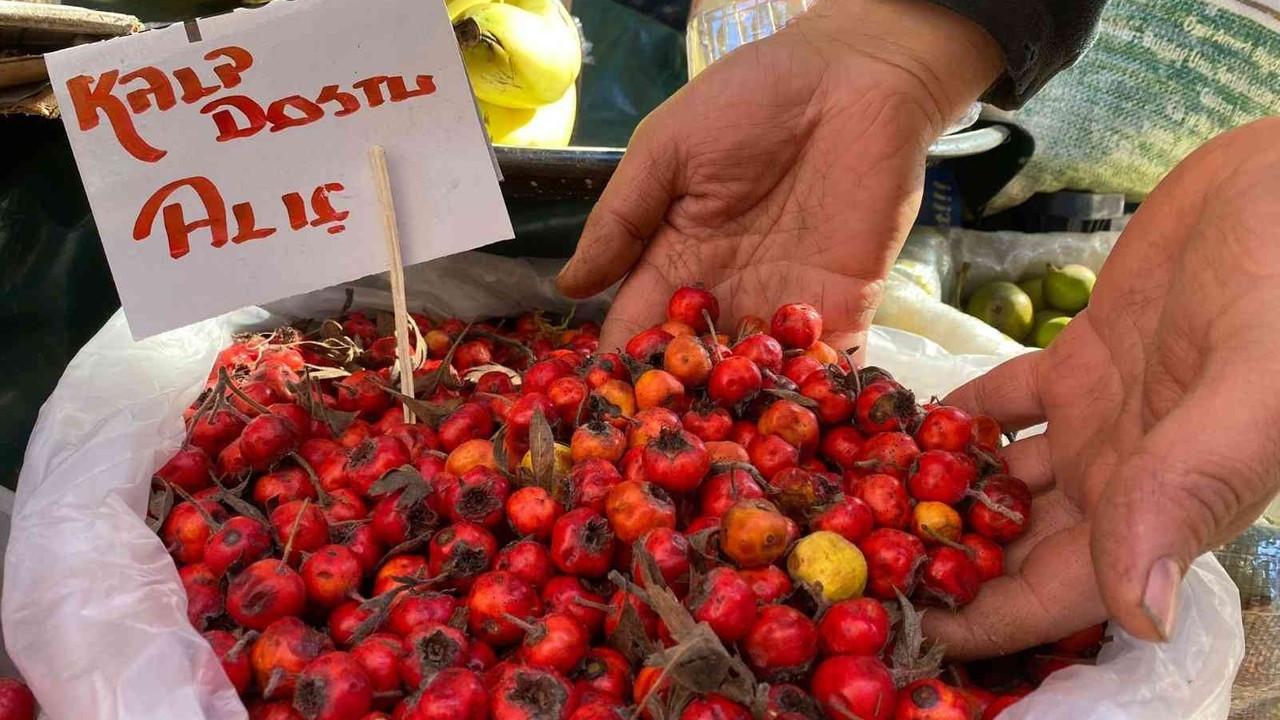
(564, 270)
(1160, 599)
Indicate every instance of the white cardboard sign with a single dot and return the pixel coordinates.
(226, 161)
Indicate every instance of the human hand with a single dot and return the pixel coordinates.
(1163, 406)
(788, 171)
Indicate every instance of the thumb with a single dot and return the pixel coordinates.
(628, 212)
(1200, 476)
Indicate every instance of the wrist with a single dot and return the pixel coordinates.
(946, 60)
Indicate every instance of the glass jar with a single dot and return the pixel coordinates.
(719, 26)
(716, 27)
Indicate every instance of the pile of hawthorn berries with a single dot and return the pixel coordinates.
(505, 556)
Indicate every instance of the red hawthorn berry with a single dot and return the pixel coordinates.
(676, 461)
(532, 512)
(950, 577)
(942, 476)
(796, 325)
(884, 406)
(333, 687)
(945, 428)
(233, 655)
(733, 381)
(724, 600)
(854, 686)
(781, 643)
(529, 560)
(688, 304)
(714, 707)
(931, 699)
(264, 593)
(894, 559)
(854, 627)
(528, 693)
(582, 543)
(496, 597)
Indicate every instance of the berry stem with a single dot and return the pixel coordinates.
(241, 643)
(208, 405)
(994, 506)
(747, 468)
(853, 370)
(520, 623)
(941, 540)
(513, 344)
(715, 338)
(293, 532)
(325, 499)
(273, 683)
(591, 604)
(222, 376)
(624, 584)
(213, 524)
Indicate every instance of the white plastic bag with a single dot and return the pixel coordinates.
(906, 306)
(94, 615)
(923, 280)
(1005, 255)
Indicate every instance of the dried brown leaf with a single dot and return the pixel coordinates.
(410, 544)
(243, 507)
(542, 450)
(398, 479)
(413, 494)
(379, 608)
(699, 661)
(635, 367)
(911, 661)
(794, 397)
(159, 505)
(305, 396)
(500, 449)
(664, 602)
(427, 411)
(629, 637)
(442, 376)
(385, 322)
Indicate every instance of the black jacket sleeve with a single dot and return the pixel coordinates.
(1039, 38)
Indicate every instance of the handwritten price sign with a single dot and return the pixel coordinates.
(226, 161)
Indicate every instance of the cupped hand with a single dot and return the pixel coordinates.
(788, 171)
(1163, 406)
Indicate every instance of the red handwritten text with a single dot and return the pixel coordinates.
(95, 98)
(212, 209)
(239, 116)
(119, 98)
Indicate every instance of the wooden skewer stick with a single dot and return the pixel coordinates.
(395, 266)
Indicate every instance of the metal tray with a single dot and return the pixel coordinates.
(580, 173)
